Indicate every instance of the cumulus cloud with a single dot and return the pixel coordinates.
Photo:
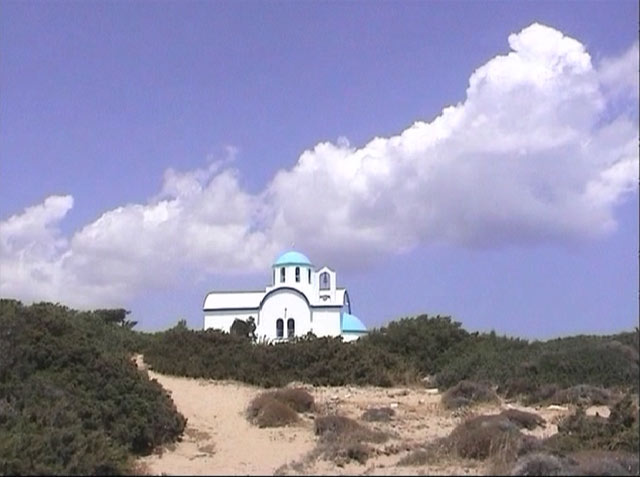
(537, 151)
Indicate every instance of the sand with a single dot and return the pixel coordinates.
(218, 439)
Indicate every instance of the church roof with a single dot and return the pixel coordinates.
(352, 323)
(292, 258)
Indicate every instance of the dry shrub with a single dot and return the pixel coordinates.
(275, 414)
(298, 399)
(582, 394)
(378, 414)
(606, 463)
(257, 403)
(466, 393)
(278, 408)
(266, 411)
(538, 395)
(541, 464)
(414, 458)
(335, 425)
(489, 436)
(523, 419)
(342, 439)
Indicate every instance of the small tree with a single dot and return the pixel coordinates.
(246, 329)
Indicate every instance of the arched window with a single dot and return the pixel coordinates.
(297, 274)
(282, 275)
(325, 281)
(279, 328)
(309, 275)
(291, 328)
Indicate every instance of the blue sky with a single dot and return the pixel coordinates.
(153, 151)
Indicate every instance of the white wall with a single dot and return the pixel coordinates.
(222, 320)
(284, 304)
(326, 322)
(352, 336)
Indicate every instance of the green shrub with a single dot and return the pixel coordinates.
(71, 400)
(322, 361)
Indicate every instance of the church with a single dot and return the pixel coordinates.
(299, 300)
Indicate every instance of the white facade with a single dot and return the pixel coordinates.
(299, 300)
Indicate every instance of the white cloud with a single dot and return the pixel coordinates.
(533, 153)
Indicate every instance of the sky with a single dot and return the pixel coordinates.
(471, 159)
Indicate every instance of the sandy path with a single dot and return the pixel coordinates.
(218, 440)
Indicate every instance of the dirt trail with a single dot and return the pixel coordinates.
(218, 440)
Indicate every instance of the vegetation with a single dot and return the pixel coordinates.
(71, 400)
(280, 407)
(466, 393)
(378, 414)
(401, 353)
(320, 361)
(341, 439)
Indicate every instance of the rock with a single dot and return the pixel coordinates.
(393, 405)
(554, 407)
(347, 396)
(421, 401)
(601, 411)
(432, 391)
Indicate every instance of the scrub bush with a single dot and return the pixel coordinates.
(378, 414)
(467, 393)
(71, 399)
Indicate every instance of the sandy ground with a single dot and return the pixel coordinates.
(218, 440)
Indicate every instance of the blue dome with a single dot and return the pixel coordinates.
(292, 258)
(352, 323)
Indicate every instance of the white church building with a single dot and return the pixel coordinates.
(299, 300)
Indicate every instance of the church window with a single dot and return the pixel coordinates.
(282, 275)
(297, 274)
(325, 281)
(279, 328)
(291, 328)
(309, 275)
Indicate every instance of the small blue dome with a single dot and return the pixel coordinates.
(352, 323)
(292, 258)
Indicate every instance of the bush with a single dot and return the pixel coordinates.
(298, 399)
(415, 457)
(582, 394)
(274, 413)
(322, 362)
(523, 419)
(342, 439)
(278, 408)
(481, 437)
(71, 400)
(579, 432)
(541, 464)
(466, 393)
(605, 463)
(378, 414)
